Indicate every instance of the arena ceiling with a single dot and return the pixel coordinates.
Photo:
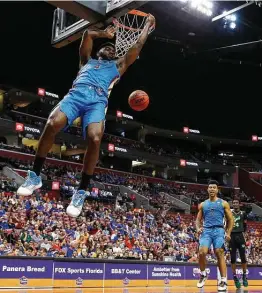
(189, 81)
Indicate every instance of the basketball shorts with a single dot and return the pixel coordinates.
(87, 102)
(237, 241)
(215, 236)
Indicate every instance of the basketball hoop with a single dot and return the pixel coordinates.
(128, 29)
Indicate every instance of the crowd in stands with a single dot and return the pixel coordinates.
(39, 226)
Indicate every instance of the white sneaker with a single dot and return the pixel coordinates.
(32, 182)
(202, 281)
(222, 287)
(75, 207)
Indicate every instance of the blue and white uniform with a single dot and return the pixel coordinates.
(89, 95)
(214, 230)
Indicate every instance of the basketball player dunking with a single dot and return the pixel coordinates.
(213, 212)
(87, 99)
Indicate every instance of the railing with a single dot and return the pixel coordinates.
(182, 197)
(19, 155)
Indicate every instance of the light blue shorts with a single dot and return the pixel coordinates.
(215, 236)
(85, 101)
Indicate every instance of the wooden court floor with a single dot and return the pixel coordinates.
(209, 289)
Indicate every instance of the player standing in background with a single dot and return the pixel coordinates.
(87, 99)
(213, 212)
(238, 242)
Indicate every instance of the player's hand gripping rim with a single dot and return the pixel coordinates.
(110, 32)
(152, 21)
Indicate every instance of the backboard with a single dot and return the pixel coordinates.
(71, 18)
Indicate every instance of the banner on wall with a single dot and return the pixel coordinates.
(79, 274)
(24, 272)
(20, 127)
(184, 163)
(120, 114)
(125, 275)
(256, 138)
(189, 130)
(112, 148)
(42, 92)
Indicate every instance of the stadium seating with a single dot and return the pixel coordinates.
(39, 226)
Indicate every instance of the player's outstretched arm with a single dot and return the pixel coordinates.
(88, 37)
(230, 219)
(199, 219)
(134, 51)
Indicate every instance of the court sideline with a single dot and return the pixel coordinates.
(210, 289)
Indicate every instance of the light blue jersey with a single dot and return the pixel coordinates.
(99, 73)
(214, 232)
(89, 95)
(213, 213)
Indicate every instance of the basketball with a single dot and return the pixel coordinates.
(138, 100)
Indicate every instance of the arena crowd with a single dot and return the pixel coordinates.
(39, 226)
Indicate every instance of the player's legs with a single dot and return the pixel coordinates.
(56, 121)
(64, 114)
(233, 255)
(242, 254)
(93, 123)
(203, 251)
(94, 135)
(218, 243)
(204, 245)
(221, 262)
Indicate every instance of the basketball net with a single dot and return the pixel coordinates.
(128, 29)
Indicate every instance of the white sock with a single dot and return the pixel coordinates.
(223, 279)
(203, 273)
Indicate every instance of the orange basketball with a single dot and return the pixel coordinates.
(138, 100)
